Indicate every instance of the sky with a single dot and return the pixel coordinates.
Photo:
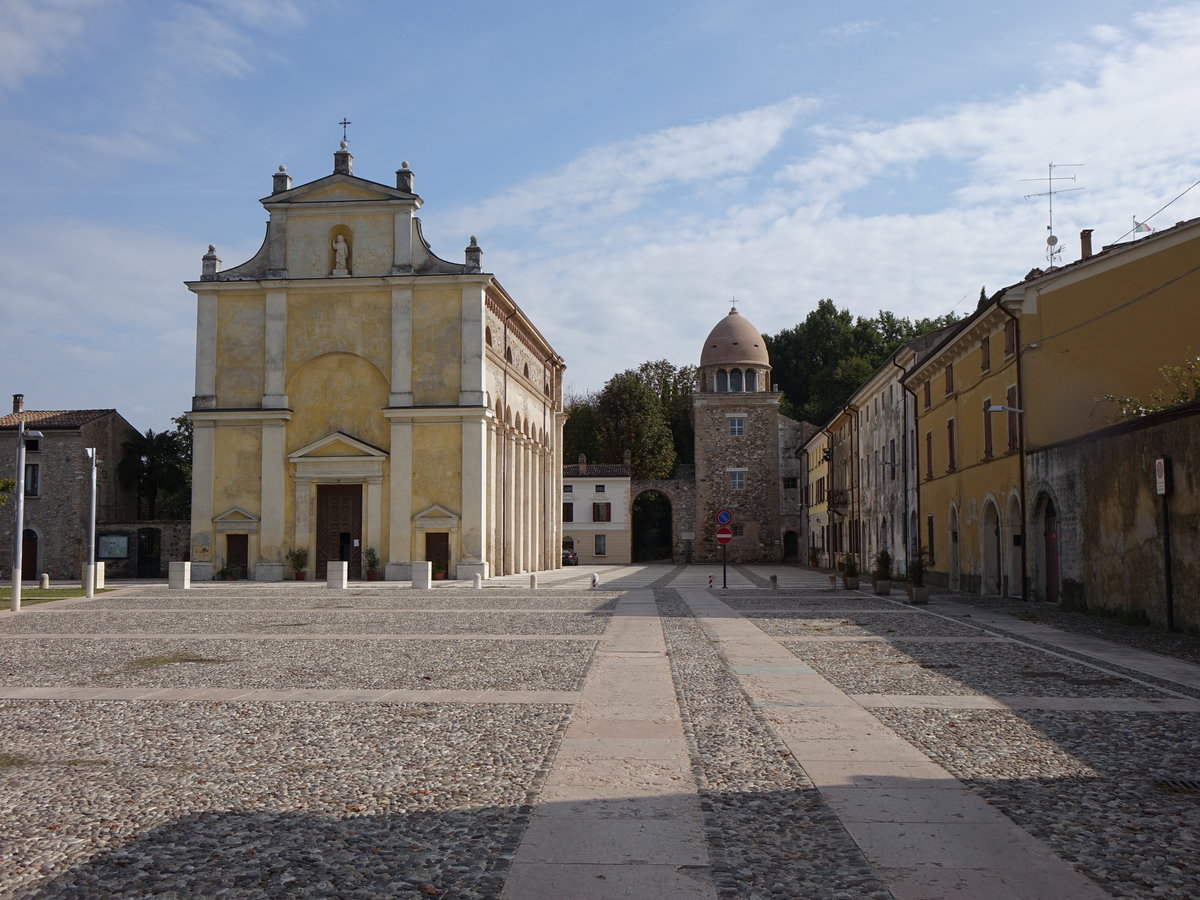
(631, 169)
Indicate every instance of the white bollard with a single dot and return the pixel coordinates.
(98, 583)
(533, 581)
(337, 574)
(179, 576)
(422, 574)
(44, 583)
(710, 582)
(477, 581)
(595, 580)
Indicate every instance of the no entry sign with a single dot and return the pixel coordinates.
(724, 534)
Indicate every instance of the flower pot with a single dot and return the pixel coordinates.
(883, 587)
(919, 595)
(851, 582)
(300, 576)
(372, 575)
(439, 576)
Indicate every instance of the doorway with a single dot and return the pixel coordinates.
(652, 537)
(437, 551)
(339, 528)
(29, 555)
(149, 553)
(237, 554)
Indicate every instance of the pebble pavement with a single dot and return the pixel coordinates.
(256, 798)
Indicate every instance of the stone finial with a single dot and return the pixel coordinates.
(282, 181)
(474, 256)
(210, 264)
(404, 177)
(343, 162)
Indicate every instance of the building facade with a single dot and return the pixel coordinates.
(355, 391)
(597, 513)
(57, 489)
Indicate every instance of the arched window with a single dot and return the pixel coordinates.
(487, 335)
(751, 380)
(722, 381)
(525, 370)
(508, 354)
(735, 380)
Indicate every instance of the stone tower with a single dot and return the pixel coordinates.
(737, 423)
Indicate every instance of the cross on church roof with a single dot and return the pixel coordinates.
(344, 123)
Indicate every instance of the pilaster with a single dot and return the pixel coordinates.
(399, 565)
(270, 528)
(474, 493)
(402, 326)
(274, 349)
(206, 353)
(203, 443)
(472, 377)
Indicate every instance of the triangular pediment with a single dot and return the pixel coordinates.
(337, 445)
(437, 512)
(235, 514)
(339, 188)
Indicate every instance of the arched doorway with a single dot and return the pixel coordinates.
(1050, 548)
(652, 539)
(990, 549)
(791, 546)
(953, 561)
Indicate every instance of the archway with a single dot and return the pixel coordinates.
(989, 537)
(29, 555)
(1014, 528)
(1050, 550)
(652, 538)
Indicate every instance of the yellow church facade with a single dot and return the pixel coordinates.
(355, 393)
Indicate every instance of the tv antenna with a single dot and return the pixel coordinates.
(1053, 250)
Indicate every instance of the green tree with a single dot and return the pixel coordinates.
(1183, 386)
(674, 386)
(7, 486)
(175, 500)
(155, 464)
(579, 432)
(630, 417)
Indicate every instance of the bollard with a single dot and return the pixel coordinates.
(44, 583)
(774, 582)
(422, 574)
(710, 582)
(336, 574)
(98, 577)
(477, 581)
(533, 581)
(595, 580)
(833, 582)
(179, 576)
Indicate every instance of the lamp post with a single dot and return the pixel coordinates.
(19, 534)
(89, 586)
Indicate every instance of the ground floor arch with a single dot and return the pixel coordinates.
(990, 553)
(652, 530)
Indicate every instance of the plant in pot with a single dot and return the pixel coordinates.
(814, 557)
(439, 571)
(225, 573)
(850, 572)
(371, 561)
(297, 558)
(918, 593)
(883, 572)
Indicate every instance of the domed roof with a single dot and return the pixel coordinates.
(734, 341)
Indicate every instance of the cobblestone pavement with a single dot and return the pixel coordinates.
(645, 738)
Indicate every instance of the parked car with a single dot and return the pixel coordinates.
(570, 558)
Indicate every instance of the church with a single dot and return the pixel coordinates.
(359, 398)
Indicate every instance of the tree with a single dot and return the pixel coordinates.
(175, 501)
(7, 486)
(155, 463)
(1183, 386)
(579, 432)
(674, 386)
(630, 417)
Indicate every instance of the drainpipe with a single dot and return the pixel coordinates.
(904, 458)
(1020, 448)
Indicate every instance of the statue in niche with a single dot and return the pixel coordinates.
(341, 251)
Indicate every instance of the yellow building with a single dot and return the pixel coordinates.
(1025, 373)
(355, 391)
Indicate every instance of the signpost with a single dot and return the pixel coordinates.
(724, 535)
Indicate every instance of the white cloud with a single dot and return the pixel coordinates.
(852, 31)
(34, 34)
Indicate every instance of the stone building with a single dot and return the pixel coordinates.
(355, 391)
(596, 513)
(748, 458)
(57, 496)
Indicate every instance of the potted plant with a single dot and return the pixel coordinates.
(371, 561)
(225, 573)
(439, 571)
(918, 593)
(297, 558)
(814, 557)
(850, 572)
(883, 572)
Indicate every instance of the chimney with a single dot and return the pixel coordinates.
(18, 403)
(282, 181)
(1085, 243)
(343, 162)
(582, 463)
(404, 177)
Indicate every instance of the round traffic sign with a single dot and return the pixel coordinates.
(724, 534)
(724, 517)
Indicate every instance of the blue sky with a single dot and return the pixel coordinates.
(629, 168)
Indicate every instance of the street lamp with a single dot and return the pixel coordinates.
(89, 578)
(997, 408)
(19, 534)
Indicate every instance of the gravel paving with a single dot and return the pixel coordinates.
(311, 597)
(769, 833)
(940, 669)
(271, 664)
(749, 601)
(86, 621)
(1090, 784)
(841, 624)
(144, 799)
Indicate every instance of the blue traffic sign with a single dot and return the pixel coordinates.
(724, 517)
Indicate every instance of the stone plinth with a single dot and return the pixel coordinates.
(179, 576)
(466, 571)
(337, 575)
(397, 571)
(422, 575)
(268, 571)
